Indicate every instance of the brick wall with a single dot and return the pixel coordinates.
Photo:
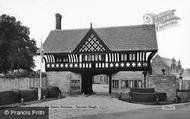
(163, 83)
(62, 80)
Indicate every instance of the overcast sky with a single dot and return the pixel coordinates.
(39, 16)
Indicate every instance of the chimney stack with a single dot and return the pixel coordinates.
(58, 21)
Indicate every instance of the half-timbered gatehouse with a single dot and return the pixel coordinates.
(87, 52)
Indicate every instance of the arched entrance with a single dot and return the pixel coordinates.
(86, 83)
(87, 80)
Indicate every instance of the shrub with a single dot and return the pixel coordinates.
(28, 94)
(9, 97)
(161, 96)
(143, 90)
(44, 91)
(142, 97)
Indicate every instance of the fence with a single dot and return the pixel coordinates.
(17, 83)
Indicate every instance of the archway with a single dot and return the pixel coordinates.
(87, 83)
(87, 80)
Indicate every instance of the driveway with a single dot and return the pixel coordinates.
(180, 112)
(78, 106)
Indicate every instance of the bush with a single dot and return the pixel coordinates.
(43, 92)
(161, 96)
(9, 97)
(53, 91)
(28, 94)
(143, 90)
(124, 97)
(147, 97)
(142, 97)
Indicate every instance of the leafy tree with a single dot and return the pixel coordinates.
(16, 47)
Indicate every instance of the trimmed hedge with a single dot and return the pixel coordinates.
(53, 91)
(147, 97)
(14, 96)
(142, 90)
(161, 96)
(43, 92)
(28, 94)
(142, 97)
(9, 97)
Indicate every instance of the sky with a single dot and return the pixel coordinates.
(39, 16)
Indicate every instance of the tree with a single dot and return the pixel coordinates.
(16, 47)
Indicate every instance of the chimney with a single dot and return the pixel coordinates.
(58, 21)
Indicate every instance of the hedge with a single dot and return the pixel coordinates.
(43, 92)
(142, 90)
(53, 91)
(28, 94)
(142, 97)
(161, 96)
(9, 97)
(14, 96)
(147, 97)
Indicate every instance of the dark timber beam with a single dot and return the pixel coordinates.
(145, 73)
(110, 82)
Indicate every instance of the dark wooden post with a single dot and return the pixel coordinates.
(145, 73)
(110, 82)
(90, 84)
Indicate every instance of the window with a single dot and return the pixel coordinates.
(123, 84)
(96, 57)
(92, 57)
(122, 57)
(75, 84)
(100, 58)
(127, 83)
(115, 84)
(134, 56)
(86, 58)
(89, 57)
(130, 57)
(135, 83)
(125, 57)
(139, 83)
(131, 84)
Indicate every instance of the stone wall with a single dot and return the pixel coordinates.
(126, 75)
(62, 80)
(163, 83)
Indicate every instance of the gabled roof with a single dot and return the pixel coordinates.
(166, 61)
(124, 38)
(91, 43)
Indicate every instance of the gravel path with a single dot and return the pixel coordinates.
(81, 106)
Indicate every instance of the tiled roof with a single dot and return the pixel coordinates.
(125, 38)
(165, 60)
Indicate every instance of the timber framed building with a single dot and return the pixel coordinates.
(83, 53)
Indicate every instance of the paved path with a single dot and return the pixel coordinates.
(180, 112)
(70, 107)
